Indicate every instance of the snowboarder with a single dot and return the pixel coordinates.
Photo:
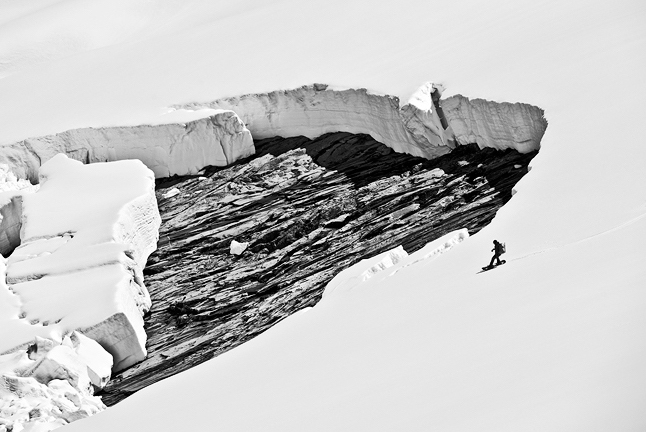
(498, 249)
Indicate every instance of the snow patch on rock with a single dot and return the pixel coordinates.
(171, 193)
(237, 248)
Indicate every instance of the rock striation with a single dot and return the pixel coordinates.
(307, 210)
(420, 127)
(167, 149)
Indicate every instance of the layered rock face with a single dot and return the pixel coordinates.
(169, 149)
(245, 246)
(419, 128)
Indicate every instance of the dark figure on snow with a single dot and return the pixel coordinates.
(497, 251)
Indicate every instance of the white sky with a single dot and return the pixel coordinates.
(552, 341)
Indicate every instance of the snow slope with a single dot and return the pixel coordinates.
(553, 340)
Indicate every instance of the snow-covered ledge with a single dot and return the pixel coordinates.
(86, 235)
(167, 149)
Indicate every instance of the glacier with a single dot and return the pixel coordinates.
(95, 225)
(555, 341)
(496, 125)
(52, 384)
(84, 237)
(87, 225)
(167, 149)
(425, 126)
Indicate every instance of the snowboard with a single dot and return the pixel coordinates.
(493, 266)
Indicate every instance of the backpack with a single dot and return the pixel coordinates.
(503, 248)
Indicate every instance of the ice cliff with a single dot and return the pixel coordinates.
(425, 126)
(315, 110)
(167, 149)
(73, 280)
(496, 125)
(85, 236)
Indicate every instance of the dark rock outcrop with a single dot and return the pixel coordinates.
(308, 209)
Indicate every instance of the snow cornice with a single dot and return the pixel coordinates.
(426, 126)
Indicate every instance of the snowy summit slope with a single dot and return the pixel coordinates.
(553, 340)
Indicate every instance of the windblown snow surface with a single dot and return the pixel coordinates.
(553, 340)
